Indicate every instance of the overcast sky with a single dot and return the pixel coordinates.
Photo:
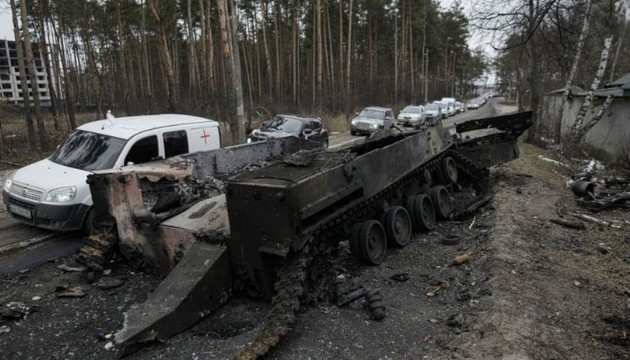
(6, 24)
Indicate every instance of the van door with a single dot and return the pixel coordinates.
(143, 150)
(175, 143)
(204, 137)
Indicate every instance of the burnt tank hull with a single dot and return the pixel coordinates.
(274, 210)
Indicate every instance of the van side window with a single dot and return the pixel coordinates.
(143, 150)
(175, 143)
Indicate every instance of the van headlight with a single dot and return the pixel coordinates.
(374, 126)
(64, 194)
(7, 185)
(354, 122)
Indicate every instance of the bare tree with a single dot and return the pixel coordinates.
(32, 74)
(523, 17)
(578, 130)
(22, 68)
(166, 59)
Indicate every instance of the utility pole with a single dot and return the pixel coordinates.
(395, 53)
(426, 76)
(238, 82)
(453, 87)
(446, 67)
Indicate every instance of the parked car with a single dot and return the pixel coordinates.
(412, 115)
(446, 112)
(371, 119)
(53, 193)
(310, 128)
(475, 104)
(460, 107)
(451, 105)
(433, 113)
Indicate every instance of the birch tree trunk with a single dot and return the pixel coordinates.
(576, 60)
(578, 130)
(598, 116)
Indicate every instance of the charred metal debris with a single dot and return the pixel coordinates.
(251, 219)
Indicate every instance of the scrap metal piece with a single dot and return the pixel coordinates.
(345, 299)
(583, 188)
(16, 310)
(197, 286)
(568, 223)
(375, 303)
(492, 140)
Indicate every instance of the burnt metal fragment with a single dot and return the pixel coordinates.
(345, 299)
(375, 303)
(16, 310)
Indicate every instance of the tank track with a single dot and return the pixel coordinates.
(291, 276)
(289, 286)
(97, 248)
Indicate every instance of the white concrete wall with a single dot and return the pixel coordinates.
(611, 135)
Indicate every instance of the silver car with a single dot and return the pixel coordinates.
(412, 116)
(371, 119)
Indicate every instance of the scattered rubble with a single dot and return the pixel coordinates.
(73, 292)
(16, 310)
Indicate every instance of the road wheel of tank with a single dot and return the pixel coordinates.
(398, 226)
(424, 213)
(447, 173)
(372, 242)
(427, 178)
(411, 210)
(354, 240)
(88, 223)
(441, 202)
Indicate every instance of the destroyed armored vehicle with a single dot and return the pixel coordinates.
(184, 218)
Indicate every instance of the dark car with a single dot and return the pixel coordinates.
(371, 119)
(434, 113)
(310, 128)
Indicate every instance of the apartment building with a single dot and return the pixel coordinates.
(10, 83)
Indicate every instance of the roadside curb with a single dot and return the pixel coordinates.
(14, 247)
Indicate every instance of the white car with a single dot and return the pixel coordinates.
(53, 193)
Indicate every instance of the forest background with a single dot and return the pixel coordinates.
(235, 60)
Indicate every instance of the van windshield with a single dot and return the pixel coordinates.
(88, 151)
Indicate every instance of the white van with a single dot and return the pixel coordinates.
(451, 105)
(53, 193)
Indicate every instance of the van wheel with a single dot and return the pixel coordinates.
(88, 223)
(325, 144)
